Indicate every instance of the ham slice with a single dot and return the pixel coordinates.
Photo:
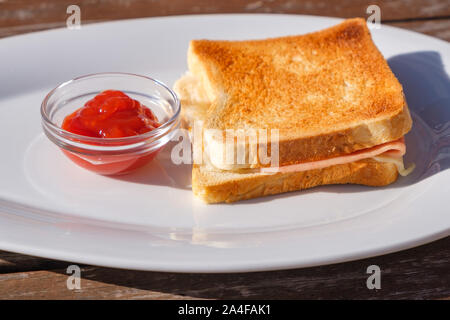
(393, 149)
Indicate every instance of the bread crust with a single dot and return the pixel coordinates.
(213, 187)
(329, 93)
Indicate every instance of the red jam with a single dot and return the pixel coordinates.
(111, 114)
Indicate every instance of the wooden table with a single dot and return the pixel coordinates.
(419, 273)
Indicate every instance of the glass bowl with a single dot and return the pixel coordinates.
(111, 156)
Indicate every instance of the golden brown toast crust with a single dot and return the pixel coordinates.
(329, 93)
(214, 188)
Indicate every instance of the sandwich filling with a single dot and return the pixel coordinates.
(387, 152)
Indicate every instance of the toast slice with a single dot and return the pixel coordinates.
(329, 93)
(215, 187)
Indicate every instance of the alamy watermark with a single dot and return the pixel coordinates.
(73, 22)
(374, 20)
(74, 280)
(225, 148)
(374, 280)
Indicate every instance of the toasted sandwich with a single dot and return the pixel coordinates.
(338, 110)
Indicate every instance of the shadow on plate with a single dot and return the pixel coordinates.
(161, 171)
(427, 89)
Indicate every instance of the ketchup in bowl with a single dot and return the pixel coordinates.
(111, 114)
(111, 132)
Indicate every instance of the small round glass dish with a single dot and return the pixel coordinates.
(111, 156)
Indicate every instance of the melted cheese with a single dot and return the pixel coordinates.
(398, 162)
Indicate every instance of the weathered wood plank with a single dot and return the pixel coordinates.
(419, 273)
(53, 285)
(15, 13)
(15, 262)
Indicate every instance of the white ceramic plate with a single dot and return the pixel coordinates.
(150, 220)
